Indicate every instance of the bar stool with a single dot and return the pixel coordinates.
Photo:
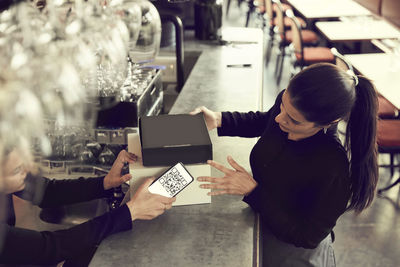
(388, 139)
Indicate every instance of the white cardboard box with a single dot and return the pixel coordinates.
(191, 195)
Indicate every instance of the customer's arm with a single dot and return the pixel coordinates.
(22, 246)
(52, 193)
(47, 193)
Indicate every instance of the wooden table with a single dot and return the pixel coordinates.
(383, 69)
(357, 30)
(327, 9)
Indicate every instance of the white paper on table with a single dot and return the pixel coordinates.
(191, 195)
(134, 145)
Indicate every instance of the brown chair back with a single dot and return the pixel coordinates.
(341, 61)
(297, 41)
(390, 10)
(268, 9)
(373, 5)
(280, 18)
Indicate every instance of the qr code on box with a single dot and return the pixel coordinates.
(172, 181)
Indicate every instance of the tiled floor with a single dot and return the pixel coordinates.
(371, 239)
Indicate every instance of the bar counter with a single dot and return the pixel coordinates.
(225, 232)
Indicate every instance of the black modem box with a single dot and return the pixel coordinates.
(168, 139)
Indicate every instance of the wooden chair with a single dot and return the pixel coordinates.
(386, 110)
(272, 21)
(341, 61)
(302, 53)
(309, 37)
(388, 139)
(254, 6)
(305, 56)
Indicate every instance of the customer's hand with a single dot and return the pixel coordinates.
(145, 205)
(213, 119)
(235, 182)
(114, 177)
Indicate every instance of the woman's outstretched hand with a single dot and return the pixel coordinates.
(213, 119)
(235, 182)
(145, 205)
(114, 177)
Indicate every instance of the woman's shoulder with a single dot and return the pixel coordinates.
(335, 153)
(332, 153)
(331, 161)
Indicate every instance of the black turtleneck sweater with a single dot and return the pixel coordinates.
(303, 186)
(23, 246)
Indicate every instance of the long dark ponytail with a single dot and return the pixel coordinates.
(361, 142)
(324, 93)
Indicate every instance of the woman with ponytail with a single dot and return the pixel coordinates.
(303, 178)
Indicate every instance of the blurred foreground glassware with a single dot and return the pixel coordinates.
(145, 49)
(148, 43)
(131, 14)
(56, 63)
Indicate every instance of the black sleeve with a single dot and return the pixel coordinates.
(22, 246)
(306, 230)
(52, 193)
(250, 124)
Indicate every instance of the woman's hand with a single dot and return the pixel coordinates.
(235, 182)
(145, 205)
(114, 177)
(213, 119)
